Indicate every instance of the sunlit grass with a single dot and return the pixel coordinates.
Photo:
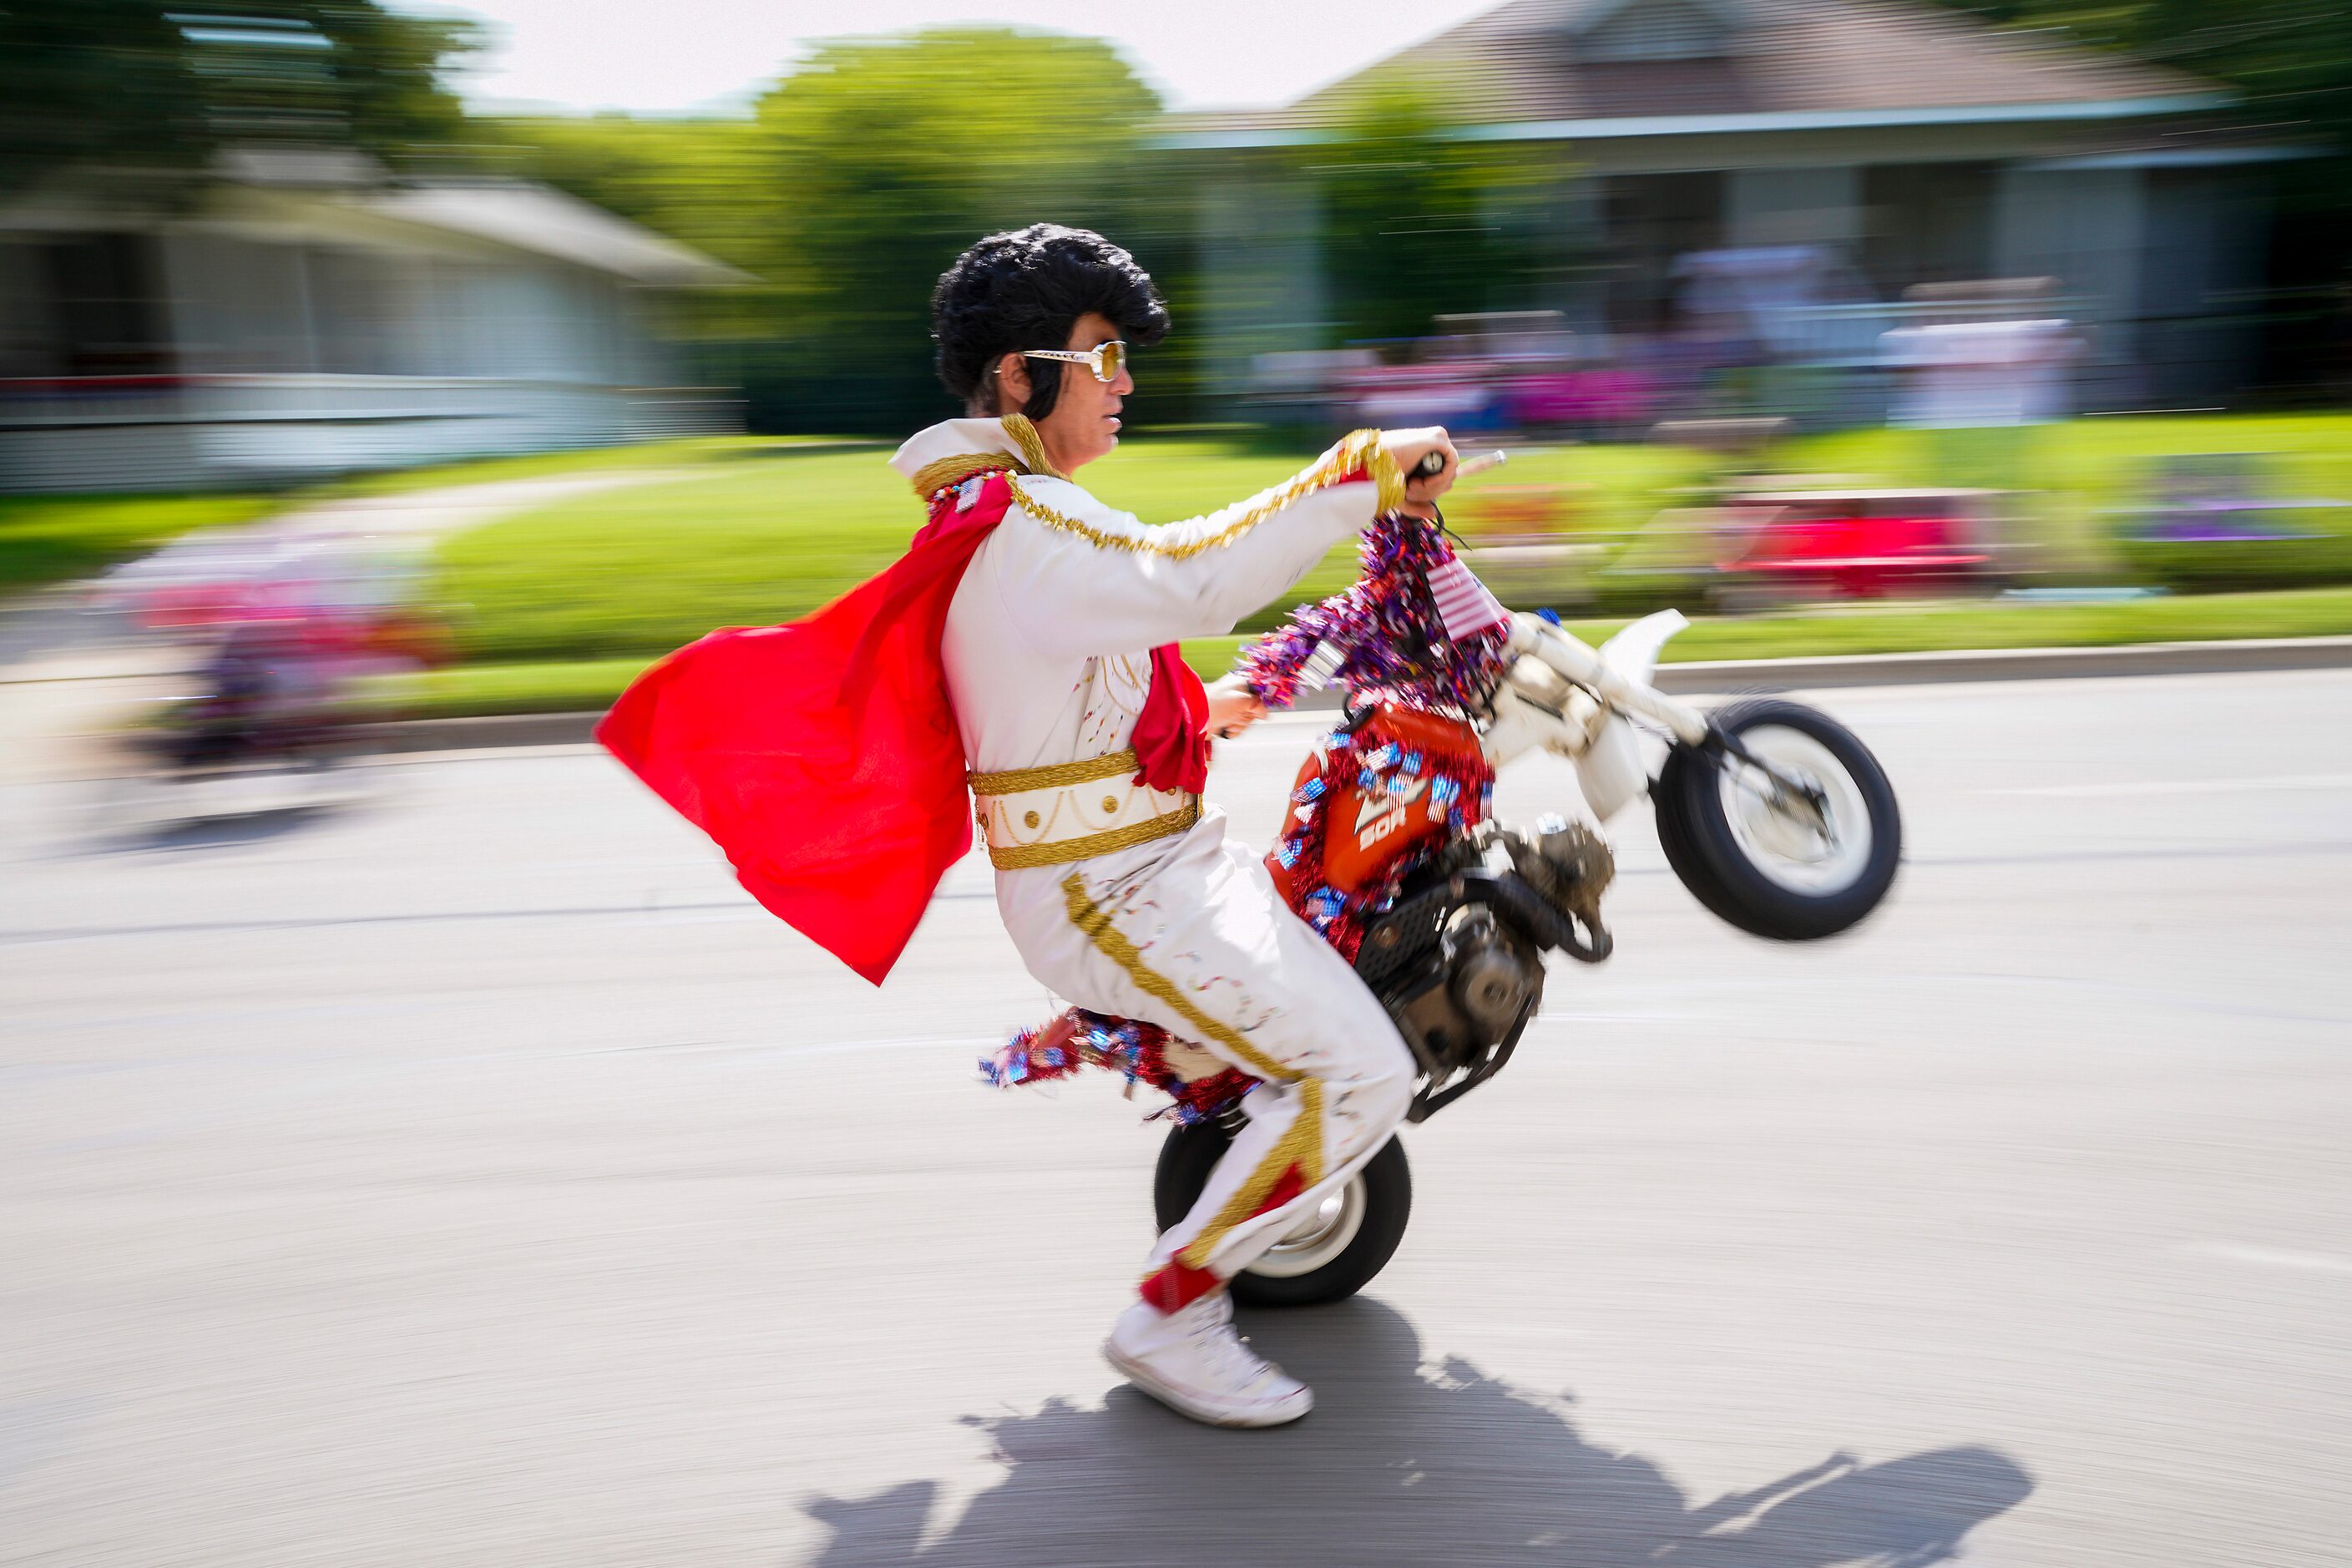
(559, 608)
(50, 539)
(641, 571)
(685, 451)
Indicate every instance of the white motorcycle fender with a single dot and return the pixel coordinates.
(1610, 770)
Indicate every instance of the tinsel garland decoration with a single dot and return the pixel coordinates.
(1383, 635)
(1078, 1039)
(1460, 794)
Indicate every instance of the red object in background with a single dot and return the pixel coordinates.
(405, 634)
(1860, 556)
(195, 606)
(395, 631)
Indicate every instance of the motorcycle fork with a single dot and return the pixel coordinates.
(1799, 798)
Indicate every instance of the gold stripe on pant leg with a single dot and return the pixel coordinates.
(1301, 1145)
(1112, 943)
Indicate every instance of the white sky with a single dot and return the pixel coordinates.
(668, 56)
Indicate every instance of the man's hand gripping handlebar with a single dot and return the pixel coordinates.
(1428, 461)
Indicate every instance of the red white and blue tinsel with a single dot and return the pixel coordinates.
(1079, 1038)
(1385, 642)
(1386, 636)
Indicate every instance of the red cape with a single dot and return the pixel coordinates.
(823, 757)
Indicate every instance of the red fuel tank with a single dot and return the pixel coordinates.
(1367, 828)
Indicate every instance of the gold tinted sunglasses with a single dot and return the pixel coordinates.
(1106, 360)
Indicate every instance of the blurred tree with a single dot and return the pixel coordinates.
(891, 155)
(2290, 61)
(704, 180)
(138, 83)
(1419, 224)
(856, 181)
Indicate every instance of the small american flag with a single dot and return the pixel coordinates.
(1463, 602)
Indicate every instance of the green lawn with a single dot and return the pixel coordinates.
(685, 451)
(1945, 625)
(52, 539)
(2082, 479)
(2201, 617)
(557, 607)
(639, 571)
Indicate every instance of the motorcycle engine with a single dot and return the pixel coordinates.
(1460, 962)
(1487, 980)
(1494, 981)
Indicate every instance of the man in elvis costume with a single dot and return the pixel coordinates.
(1025, 647)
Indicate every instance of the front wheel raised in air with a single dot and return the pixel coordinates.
(1331, 1253)
(1789, 868)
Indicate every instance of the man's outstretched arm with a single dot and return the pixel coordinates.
(1095, 580)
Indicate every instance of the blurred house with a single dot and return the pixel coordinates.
(1696, 138)
(302, 314)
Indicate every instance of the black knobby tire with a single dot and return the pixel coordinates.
(1386, 1200)
(1696, 831)
(1681, 855)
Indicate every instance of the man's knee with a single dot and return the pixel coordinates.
(1393, 1093)
(1379, 1090)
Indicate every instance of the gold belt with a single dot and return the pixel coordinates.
(1074, 811)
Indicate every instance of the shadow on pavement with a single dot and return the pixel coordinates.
(147, 814)
(1402, 1463)
(224, 830)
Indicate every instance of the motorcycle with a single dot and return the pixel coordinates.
(283, 636)
(1774, 816)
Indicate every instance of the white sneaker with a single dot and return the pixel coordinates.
(1191, 1360)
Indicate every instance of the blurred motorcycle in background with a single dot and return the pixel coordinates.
(281, 639)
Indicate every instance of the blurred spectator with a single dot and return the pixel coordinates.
(1982, 361)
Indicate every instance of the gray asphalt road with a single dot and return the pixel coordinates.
(466, 1174)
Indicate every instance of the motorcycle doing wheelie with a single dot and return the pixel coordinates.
(1775, 817)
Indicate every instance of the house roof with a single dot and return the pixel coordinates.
(331, 191)
(547, 222)
(1569, 68)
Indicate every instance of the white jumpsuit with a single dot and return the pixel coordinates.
(1048, 657)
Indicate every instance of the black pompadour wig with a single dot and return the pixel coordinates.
(1025, 288)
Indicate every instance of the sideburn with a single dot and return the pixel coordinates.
(1045, 391)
